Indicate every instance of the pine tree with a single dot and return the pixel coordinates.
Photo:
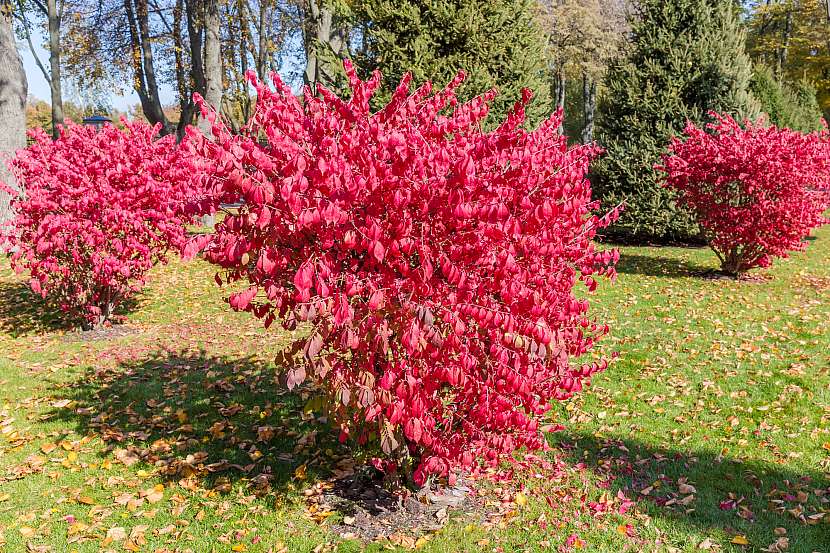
(497, 42)
(685, 58)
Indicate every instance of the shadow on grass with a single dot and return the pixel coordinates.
(23, 312)
(748, 498)
(213, 421)
(658, 266)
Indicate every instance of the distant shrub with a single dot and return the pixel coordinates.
(98, 210)
(432, 263)
(757, 191)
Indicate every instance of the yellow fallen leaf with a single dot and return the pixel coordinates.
(86, 500)
(740, 540)
(4, 497)
(238, 547)
(300, 472)
(48, 448)
(520, 499)
(420, 542)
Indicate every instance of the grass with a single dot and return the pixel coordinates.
(714, 421)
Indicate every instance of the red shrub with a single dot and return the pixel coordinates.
(432, 263)
(757, 191)
(99, 209)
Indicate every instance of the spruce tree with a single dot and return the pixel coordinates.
(497, 42)
(685, 58)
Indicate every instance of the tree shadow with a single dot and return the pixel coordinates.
(750, 498)
(213, 421)
(23, 312)
(659, 266)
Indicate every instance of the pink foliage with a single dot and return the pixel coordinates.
(99, 210)
(432, 264)
(757, 190)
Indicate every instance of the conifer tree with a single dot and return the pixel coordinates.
(497, 42)
(685, 58)
(793, 106)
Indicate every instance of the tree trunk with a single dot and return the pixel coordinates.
(144, 70)
(213, 74)
(262, 53)
(212, 62)
(320, 30)
(13, 89)
(183, 78)
(54, 24)
(559, 91)
(314, 18)
(785, 42)
(589, 101)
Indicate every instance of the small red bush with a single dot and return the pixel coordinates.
(98, 210)
(432, 263)
(757, 190)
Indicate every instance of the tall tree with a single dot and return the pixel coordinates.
(325, 37)
(29, 14)
(53, 17)
(13, 90)
(793, 36)
(497, 42)
(583, 36)
(262, 36)
(212, 61)
(685, 58)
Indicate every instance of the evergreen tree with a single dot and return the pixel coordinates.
(497, 42)
(770, 94)
(793, 106)
(807, 115)
(685, 58)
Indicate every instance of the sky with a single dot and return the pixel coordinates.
(39, 88)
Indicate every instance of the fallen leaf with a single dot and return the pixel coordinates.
(686, 489)
(117, 533)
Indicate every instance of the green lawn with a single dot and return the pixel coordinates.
(715, 421)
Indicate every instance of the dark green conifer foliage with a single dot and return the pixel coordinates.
(786, 105)
(497, 42)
